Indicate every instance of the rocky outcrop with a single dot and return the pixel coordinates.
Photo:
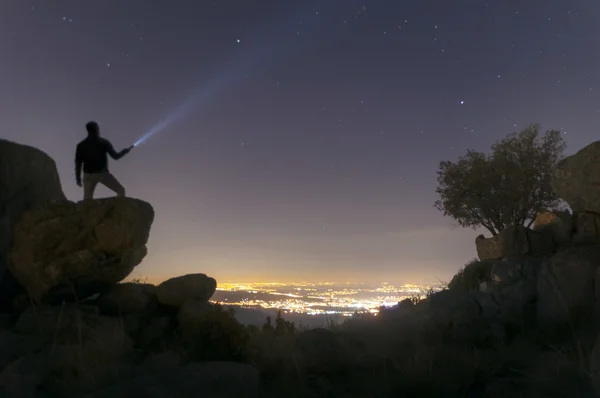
(546, 292)
(545, 279)
(557, 224)
(504, 304)
(152, 313)
(79, 247)
(78, 331)
(28, 177)
(514, 241)
(509, 299)
(92, 351)
(91, 343)
(566, 286)
(586, 228)
(576, 179)
(107, 344)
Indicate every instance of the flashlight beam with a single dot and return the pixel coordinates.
(202, 94)
(199, 97)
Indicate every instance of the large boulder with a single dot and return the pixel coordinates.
(586, 228)
(79, 247)
(557, 224)
(514, 241)
(566, 286)
(576, 179)
(127, 298)
(176, 291)
(509, 298)
(28, 177)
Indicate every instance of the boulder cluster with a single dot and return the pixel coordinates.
(70, 326)
(64, 309)
(542, 281)
(553, 267)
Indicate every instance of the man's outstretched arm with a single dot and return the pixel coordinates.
(78, 165)
(114, 154)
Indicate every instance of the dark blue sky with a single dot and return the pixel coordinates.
(316, 156)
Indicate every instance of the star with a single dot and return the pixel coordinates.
(405, 77)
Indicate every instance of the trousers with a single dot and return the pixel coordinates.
(90, 180)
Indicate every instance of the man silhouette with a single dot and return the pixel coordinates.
(91, 154)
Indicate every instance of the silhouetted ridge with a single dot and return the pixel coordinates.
(522, 320)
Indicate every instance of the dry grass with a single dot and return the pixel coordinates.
(379, 357)
(85, 352)
(138, 280)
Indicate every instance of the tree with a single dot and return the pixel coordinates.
(504, 188)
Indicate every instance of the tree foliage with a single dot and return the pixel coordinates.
(505, 187)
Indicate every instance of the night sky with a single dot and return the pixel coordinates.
(312, 151)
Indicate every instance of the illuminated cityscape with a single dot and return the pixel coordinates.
(317, 298)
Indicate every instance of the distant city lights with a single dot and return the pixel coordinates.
(320, 298)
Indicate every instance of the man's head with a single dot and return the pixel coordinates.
(93, 129)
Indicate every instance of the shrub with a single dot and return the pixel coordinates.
(218, 337)
(470, 276)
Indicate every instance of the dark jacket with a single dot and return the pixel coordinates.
(92, 153)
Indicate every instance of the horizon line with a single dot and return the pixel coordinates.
(160, 279)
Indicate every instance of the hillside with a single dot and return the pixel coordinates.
(522, 321)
